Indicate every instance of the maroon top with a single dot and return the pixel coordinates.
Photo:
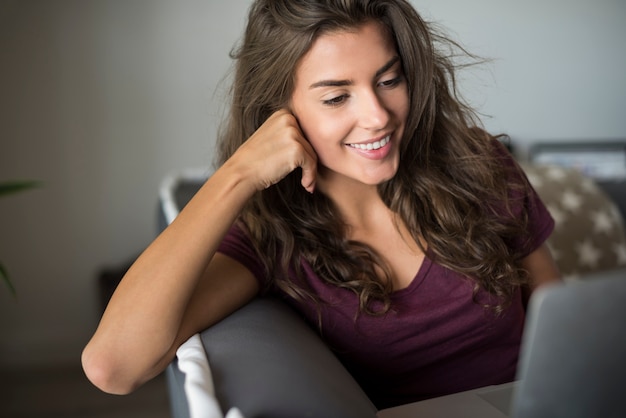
(436, 339)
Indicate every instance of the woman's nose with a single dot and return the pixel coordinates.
(373, 114)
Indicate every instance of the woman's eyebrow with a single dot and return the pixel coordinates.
(343, 83)
(387, 66)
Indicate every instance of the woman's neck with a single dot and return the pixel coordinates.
(360, 206)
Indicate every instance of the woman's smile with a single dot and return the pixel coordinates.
(372, 145)
(375, 150)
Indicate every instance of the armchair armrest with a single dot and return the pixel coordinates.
(266, 361)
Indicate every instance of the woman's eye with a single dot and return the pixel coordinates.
(335, 101)
(391, 83)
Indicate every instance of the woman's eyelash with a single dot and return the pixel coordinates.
(335, 101)
(338, 100)
(391, 83)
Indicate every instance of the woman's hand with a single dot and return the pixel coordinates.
(276, 149)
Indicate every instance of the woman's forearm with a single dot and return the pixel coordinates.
(143, 318)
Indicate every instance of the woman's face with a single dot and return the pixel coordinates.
(351, 101)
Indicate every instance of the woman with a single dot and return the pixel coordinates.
(354, 184)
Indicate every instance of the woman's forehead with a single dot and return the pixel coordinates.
(339, 50)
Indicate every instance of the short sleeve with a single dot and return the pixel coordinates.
(526, 202)
(540, 222)
(238, 246)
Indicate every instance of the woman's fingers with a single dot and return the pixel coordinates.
(309, 170)
(276, 149)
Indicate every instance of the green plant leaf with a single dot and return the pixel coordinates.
(10, 187)
(5, 278)
(6, 188)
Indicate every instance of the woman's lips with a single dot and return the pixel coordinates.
(375, 150)
(368, 146)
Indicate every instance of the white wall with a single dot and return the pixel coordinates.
(558, 70)
(101, 99)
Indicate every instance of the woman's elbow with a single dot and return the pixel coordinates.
(103, 373)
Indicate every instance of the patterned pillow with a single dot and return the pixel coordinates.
(589, 235)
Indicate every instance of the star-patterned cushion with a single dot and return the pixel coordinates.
(589, 235)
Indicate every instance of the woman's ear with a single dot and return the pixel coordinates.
(289, 107)
(291, 110)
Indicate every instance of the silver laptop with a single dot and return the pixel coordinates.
(572, 361)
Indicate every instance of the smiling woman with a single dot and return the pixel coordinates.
(354, 111)
(354, 185)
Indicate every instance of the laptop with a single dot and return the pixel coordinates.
(572, 359)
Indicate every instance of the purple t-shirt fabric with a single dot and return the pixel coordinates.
(436, 340)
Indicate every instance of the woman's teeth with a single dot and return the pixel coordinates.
(372, 145)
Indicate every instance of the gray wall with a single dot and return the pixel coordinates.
(101, 99)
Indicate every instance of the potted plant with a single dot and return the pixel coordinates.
(6, 188)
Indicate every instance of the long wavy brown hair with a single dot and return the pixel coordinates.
(450, 187)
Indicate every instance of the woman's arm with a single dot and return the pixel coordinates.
(179, 285)
(541, 268)
(148, 314)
